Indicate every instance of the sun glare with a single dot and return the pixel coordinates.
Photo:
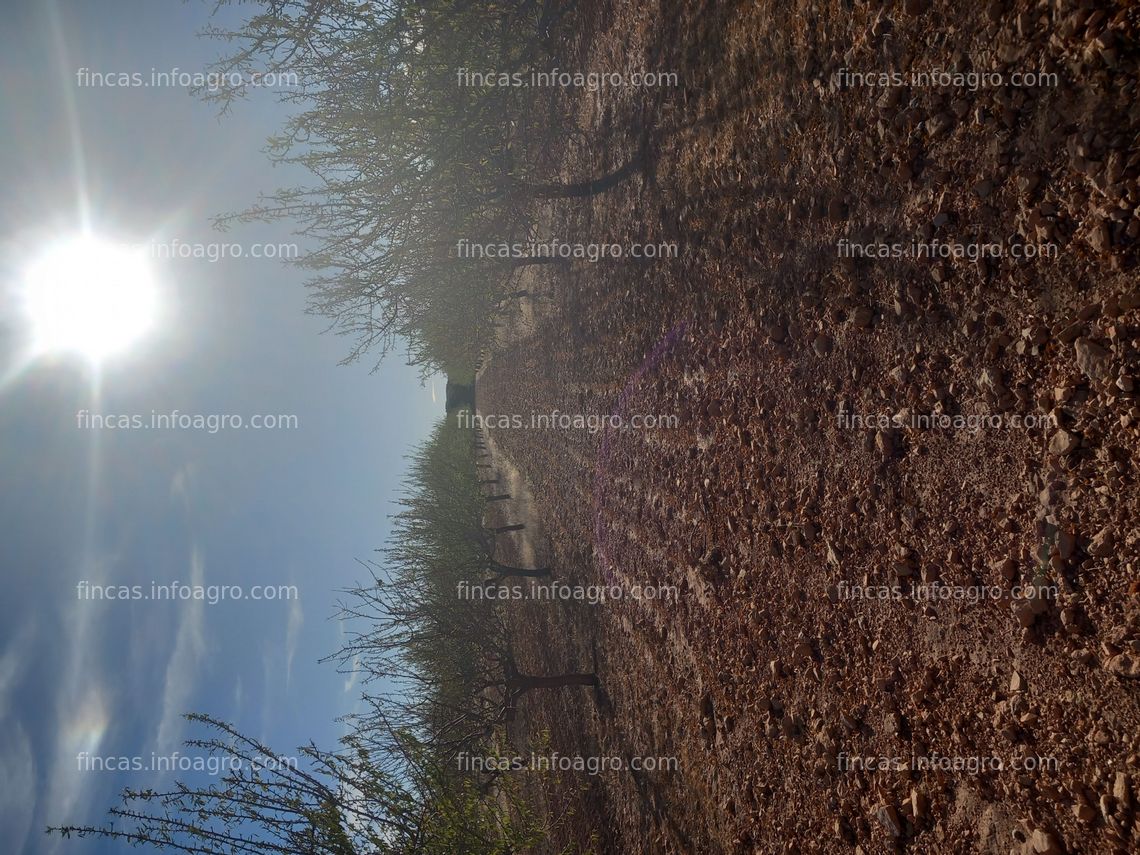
(88, 296)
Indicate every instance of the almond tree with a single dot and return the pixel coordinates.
(409, 159)
(341, 803)
(424, 629)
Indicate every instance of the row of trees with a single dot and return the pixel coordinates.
(428, 629)
(409, 161)
(438, 664)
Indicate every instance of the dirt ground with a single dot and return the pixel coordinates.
(898, 508)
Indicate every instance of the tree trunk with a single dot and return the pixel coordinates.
(505, 528)
(503, 571)
(526, 682)
(583, 189)
(500, 497)
(536, 259)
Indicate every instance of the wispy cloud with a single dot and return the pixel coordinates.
(350, 680)
(83, 709)
(13, 663)
(17, 795)
(17, 764)
(183, 665)
(292, 636)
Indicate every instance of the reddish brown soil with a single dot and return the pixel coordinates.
(762, 503)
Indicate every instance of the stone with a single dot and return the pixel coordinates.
(1026, 615)
(1063, 443)
(1092, 359)
(1007, 568)
(1070, 333)
(940, 124)
(885, 443)
(1103, 543)
(888, 815)
(1121, 791)
(919, 803)
(1045, 843)
(1084, 812)
(1066, 544)
(1124, 665)
(1101, 238)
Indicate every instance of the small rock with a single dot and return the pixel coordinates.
(1026, 615)
(1063, 443)
(1092, 359)
(885, 443)
(1124, 665)
(940, 124)
(1106, 806)
(1066, 544)
(919, 803)
(1045, 843)
(1070, 333)
(1121, 791)
(1101, 238)
(1103, 543)
(1007, 568)
(889, 817)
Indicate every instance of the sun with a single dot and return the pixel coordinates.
(88, 296)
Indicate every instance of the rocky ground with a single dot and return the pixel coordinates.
(800, 507)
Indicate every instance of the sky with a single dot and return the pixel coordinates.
(291, 506)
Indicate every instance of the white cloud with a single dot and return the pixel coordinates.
(292, 636)
(83, 710)
(17, 764)
(184, 662)
(15, 658)
(17, 790)
(350, 680)
(180, 484)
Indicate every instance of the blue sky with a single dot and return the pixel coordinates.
(236, 507)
